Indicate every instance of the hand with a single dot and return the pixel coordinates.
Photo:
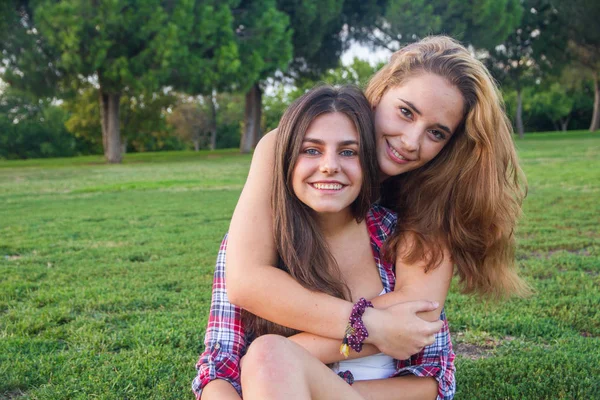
(397, 330)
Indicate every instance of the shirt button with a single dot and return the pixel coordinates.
(218, 346)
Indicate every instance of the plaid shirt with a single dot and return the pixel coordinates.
(226, 341)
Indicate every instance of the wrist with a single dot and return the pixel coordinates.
(356, 332)
(370, 319)
(342, 321)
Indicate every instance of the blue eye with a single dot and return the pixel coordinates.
(348, 153)
(311, 152)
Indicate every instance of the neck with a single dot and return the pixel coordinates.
(331, 224)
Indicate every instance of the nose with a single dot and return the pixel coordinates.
(410, 139)
(330, 163)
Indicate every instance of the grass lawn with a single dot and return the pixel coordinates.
(105, 277)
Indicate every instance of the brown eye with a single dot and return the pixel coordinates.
(438, 135)
(406, 112)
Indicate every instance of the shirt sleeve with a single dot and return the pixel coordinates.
(225, 340)
(435, 360)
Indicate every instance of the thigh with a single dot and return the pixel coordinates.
(276, 367)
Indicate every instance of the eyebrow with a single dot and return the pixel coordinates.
(415, 109)
(321, 142)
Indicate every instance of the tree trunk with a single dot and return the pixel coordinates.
(213, 120)
(196, 141)
(564, 123)
(103, 98)
(111, 135)
(252, 115)
(595, 125)
(520, 128)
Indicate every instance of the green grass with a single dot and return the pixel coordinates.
(105, 276)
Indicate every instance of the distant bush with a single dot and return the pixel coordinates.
(42, 135)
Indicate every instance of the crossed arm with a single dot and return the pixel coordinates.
(219, 365)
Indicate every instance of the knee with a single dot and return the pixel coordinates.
(269, 358)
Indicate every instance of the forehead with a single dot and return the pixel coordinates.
(332, 126)
(436, 99)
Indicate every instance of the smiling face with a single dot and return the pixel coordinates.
(327, 176)
(414, 121)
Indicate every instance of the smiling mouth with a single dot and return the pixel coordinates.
(327, 186)
(396, 153)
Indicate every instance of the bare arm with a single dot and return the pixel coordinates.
(412, 282)
(327, 350)
(408, 387)
(219, 389)
(254, 284)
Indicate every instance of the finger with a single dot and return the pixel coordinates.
(431, 328)
(430, 340)
(424, 305)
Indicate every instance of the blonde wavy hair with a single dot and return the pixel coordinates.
(468, 198)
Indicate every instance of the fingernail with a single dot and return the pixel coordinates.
(436, 304)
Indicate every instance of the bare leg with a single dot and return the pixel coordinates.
(219, 390)
(277, 368)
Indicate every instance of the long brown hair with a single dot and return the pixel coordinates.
(468, 198)
(302, 249)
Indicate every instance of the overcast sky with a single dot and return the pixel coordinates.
(365, 53)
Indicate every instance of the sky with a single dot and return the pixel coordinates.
(364, 53)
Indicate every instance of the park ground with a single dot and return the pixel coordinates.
(106, 270)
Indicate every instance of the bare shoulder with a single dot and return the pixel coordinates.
(267, 142)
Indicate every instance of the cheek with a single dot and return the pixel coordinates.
(433, 150)
(354, 170)
(297, 176)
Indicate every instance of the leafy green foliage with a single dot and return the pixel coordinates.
(482, 23)
(143, 119)
(358, 73)
(31, 127)
(536, 47)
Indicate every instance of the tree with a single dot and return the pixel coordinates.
(142, 121)
(580, 19)
(192, 122)
(555, 102)
(358, 73)
(533, 50)
(126, 45)
(482, 23)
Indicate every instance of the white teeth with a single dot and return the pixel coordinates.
(394, 152)
(327, 186)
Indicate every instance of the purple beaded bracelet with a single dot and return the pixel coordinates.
(356, 332)
(347, 376)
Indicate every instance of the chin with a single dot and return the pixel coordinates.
(326, 210)
(389, 168)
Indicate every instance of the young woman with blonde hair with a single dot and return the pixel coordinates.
(448, 167)
(322, 200)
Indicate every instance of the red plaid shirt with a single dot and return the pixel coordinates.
(226, 341)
